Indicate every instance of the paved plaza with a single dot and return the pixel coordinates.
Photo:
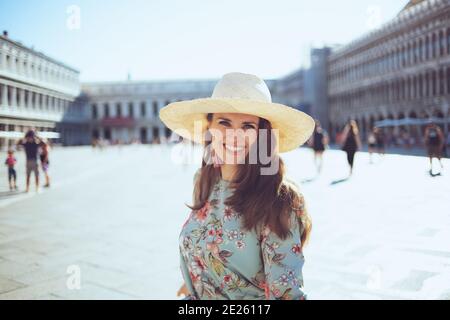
(108, 226)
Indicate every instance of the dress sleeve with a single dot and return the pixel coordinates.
(283, 263)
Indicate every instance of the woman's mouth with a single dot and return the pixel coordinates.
(233, 148)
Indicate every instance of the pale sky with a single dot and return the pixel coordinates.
(188, 39)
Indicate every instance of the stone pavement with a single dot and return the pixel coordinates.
(110, 223)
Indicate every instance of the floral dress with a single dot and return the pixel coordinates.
(220, 260)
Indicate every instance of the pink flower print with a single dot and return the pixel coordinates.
(194, 277)
(211, 232)
(296, 248)
(203, 212)
(198, 265)
(227, 278)
(228, 213)
(211, 246)
(240, 244)
(283, 280)
(265, 286)
(276, 292)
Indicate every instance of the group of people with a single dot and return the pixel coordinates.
(35, 147)
(350, 142)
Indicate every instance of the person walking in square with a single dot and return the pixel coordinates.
(45, 162)
(31, 144)
(319, 143)
(434, 142)
(10, 162)
(352, 142)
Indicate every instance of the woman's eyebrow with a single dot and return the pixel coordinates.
(245, 122)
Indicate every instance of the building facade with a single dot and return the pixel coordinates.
(36, 91)
(128, 111)
(400, 71)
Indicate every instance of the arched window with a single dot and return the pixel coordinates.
(448, 80)
(441, 82)
(433, 83)
(155, 108)
(427, 84)
(420, 86)
(441, 43)
(130, 110)
(434, 46)
(143, 109)
(106, 110)
(94, 111)
(118, 110)
(448, 41)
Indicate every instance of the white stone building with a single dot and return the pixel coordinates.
(35, 92)
(128, 111)
(400, 71)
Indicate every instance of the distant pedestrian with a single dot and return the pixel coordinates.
(434, 141)
(379, 135)
(372, 143)
(319, 142)
(12, 176)
(45, 162)
(352, 142)
(31, 144)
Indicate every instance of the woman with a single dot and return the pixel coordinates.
(352, 142)
(319, 142)
(248, 224)
(434, 141)
(45, 162)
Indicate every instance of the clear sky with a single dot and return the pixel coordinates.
(188, 39)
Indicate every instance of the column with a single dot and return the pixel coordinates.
(3, 57)
(124, 106)
(22, 98)
(112, 109)
(4, 97)
(13, 96)
(30, 99)
(100, 110)
(45, 102)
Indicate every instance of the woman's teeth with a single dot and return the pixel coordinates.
(233, 149)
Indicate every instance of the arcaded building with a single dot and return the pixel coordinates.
(128, 111)
(401, 71)
(36, 91)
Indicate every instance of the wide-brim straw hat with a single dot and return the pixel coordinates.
(238, 93)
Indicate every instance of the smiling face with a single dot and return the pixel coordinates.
(232, 135)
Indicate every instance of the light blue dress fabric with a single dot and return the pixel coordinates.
(221, 260)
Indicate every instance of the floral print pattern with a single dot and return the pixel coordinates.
(220, 260)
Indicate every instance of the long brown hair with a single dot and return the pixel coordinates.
(266, 199)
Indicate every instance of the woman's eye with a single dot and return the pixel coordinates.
(224, 123)
(248, 126)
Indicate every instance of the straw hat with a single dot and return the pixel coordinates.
(238, 93)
